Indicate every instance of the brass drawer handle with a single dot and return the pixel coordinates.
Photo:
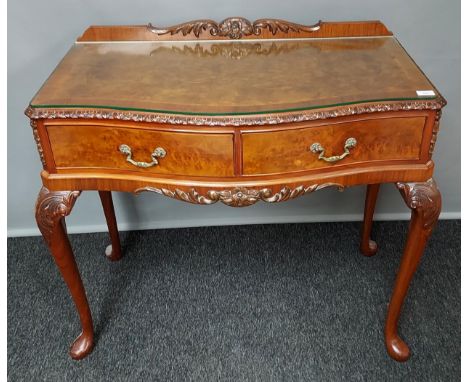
(158, 152)
(317, 148)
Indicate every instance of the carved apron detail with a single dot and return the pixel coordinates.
(239, 196)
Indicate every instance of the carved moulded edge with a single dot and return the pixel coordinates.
(435, 131)
(236, 120)
(40, 150)
(239, 196)
(234, 27)
(424, 198)
(51, 206)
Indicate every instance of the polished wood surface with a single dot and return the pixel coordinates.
(97, 147)
(233, 77)
(289, 150)
(369, 246)
(125, 182)
(114, 250)
(424, 200)
(51, 209)
(235, 113)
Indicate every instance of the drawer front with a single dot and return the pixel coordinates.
(289, 150)
(91, 146)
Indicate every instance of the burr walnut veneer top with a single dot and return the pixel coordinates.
(233, 77)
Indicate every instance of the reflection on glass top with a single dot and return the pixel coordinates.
(241, 77)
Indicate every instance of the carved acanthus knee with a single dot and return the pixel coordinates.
(425, 203)
(51, 207)
(423, 199)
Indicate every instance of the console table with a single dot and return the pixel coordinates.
(236, 112)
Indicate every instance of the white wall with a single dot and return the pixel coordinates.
(41, 32)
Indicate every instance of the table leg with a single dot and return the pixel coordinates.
(425, 203)
(51, 209)
(113, 251)
(369, 246)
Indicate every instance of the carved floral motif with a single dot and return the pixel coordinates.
(234, 27)
(245, 120)
(239, 196)
(51, 206)
(424, 198)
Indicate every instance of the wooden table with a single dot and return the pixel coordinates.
(236, 112)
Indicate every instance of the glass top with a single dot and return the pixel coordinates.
(233, 77)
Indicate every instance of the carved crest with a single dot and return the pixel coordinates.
(234, 27)
(239, 196)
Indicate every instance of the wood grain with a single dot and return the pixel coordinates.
(234, 77)
(114, 250)
(51, 209)
(369, 246)
(289, 150)
(424, 200)
(97, 147)
(124, 181)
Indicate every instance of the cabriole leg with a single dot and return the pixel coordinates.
(51, 209)
(113, 251)
(425, 203)
(368, 246)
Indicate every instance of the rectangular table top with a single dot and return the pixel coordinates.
(234, 77)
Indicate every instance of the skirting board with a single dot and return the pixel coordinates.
(185, 223)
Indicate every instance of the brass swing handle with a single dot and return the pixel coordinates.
(317, 148)
(158, 152)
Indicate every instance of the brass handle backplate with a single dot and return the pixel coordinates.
(318, 149)
(158, 152)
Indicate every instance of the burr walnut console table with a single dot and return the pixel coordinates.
(236, 112)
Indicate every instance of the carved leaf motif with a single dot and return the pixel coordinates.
(423, 197)
(239, 196)
(51, 206)
(191, 197)
(196, 27)
(274, 25)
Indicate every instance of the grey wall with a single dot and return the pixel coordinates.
(40, 33)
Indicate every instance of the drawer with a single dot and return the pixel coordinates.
(289, 150)
(94, 146)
